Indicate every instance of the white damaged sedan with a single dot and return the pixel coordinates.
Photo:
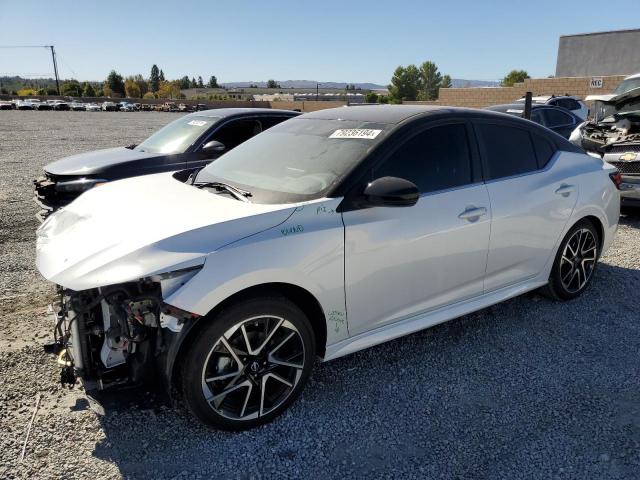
(324, 235)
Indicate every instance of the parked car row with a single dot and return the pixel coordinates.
(108, 106)
(314, 235)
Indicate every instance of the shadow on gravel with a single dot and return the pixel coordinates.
(529, 388)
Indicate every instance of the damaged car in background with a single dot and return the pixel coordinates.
(326, 234)
(613, 134)
(191, 141)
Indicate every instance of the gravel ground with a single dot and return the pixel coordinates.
(526, 389)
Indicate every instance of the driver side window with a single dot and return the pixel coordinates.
(436, 159)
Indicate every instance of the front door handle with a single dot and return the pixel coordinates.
(565, 190)
(473, 213)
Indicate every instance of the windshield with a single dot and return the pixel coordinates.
(627, 85)
(177, 136)
(296, 160)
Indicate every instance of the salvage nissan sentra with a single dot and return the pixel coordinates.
(325, 235)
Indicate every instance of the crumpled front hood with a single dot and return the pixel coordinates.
(95, 162)
(133, 228)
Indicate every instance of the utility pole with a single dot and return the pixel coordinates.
(53, 57)
(55, 67)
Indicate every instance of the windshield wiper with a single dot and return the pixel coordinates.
(235, 191)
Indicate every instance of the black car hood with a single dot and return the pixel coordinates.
(97, 161)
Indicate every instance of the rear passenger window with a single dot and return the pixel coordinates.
(507, 150)
(436, 159)
(543, 148)
(568, 103)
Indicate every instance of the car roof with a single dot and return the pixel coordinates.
(546, 98)
(520, 106)
(374, 113)
(242, 112)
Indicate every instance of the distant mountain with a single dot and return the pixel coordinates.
(456, 82)
(305, 84)
(461, 83)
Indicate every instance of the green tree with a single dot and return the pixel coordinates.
(272, 84)
(446, 82)
(383, 99)
(154, 79)
(71, 88)
(213, 82)
(149, 95)
(405, 84)
(430, 79)
(40, 91)
(371, 97)
(514, 76)
(161, 76)
(87, 90)
(200, 83)
(193, 83)
(115, 84)
(185, 83)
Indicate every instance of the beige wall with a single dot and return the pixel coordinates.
(483, 97)
(306, 106)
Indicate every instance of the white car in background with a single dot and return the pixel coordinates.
(109, 107)
(573, 104)
(324, 235)
(92, 107)
(78, 106)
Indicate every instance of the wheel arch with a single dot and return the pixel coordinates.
(299, 296)
(597, 223)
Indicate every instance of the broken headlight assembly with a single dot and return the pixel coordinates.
(79, 185)
(112, 335)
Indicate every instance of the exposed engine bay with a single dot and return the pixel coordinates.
(114, 335)
(613, 134)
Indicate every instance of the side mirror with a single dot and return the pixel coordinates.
(391, 192)
(213, 146)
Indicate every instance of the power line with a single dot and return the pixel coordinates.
(25, 46)
(53, 57)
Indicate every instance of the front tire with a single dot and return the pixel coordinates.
(248, 364)
(575, 262)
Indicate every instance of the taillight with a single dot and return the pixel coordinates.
(616, 178)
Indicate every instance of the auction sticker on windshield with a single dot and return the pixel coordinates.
(198, 123)
(367, 133)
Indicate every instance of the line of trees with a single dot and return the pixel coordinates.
(156, 86)
(117, 86)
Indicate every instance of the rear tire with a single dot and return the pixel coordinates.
(248, 364)
(575, 262)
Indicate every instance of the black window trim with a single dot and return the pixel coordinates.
(503, 123)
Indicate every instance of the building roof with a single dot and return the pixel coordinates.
(629, 30)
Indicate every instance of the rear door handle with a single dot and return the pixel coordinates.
(473, 213)
(565, 190)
